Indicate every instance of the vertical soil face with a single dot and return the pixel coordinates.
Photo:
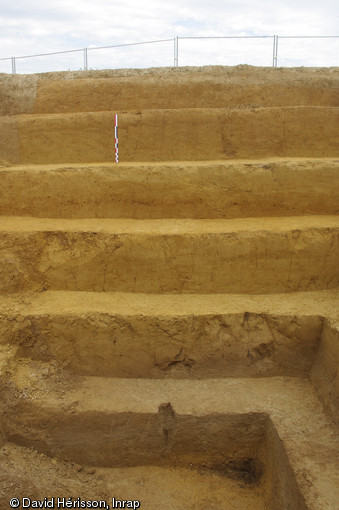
(197, 190)
(216, 113)
(325, 373)
(190, 87)
(194, 134)
(168, 325)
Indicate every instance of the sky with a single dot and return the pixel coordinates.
(32, 27)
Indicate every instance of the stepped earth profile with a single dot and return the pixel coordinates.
(169, 325)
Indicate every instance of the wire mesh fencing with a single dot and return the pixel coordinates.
(308, 51)
(296, 51)
(134, 55)
(229, 51)
(48, 62)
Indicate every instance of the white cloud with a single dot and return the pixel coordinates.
(30, 27)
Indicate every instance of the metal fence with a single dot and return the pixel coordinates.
(274, 50)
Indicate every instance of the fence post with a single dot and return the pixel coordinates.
(13, 66)
(85, 60)
(275, 51)
(176, 41)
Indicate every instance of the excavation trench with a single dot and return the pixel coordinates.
(106, 422)
(168, 325)
(237, 456)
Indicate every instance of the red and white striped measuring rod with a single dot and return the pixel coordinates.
(116, 138)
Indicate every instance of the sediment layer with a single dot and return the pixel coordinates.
(180, 336)
(194, 87)
(194, 134)
(213, 189)
(266, 255)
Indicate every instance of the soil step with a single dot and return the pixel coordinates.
(210, 86)
(154, 487)
(177, 336)
(248, 255)
(213, 189)
(129, 422)
(167, 135)
(119, 378)
(180, 91)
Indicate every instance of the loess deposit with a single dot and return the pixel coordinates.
(169, 325)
